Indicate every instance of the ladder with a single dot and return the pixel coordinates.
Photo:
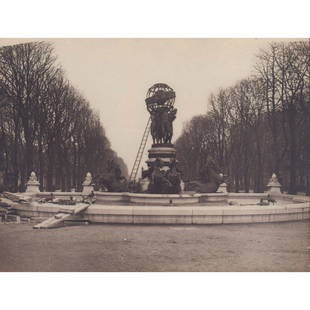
(137, 162)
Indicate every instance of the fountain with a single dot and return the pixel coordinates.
(161, 199)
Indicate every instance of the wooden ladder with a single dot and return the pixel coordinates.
(137, 162)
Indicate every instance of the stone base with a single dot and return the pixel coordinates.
(87, 189)
(165, 153)
(222, 188)
(135, 214)
(274, 190)
(144, 184)
(33, 188)
(182, 185)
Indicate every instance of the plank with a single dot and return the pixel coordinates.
(65, 213)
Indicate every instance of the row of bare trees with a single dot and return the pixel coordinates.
(259, 126)
(45, 124)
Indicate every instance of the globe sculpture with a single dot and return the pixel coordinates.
(159, 102)
(162, 174)
(159, 95)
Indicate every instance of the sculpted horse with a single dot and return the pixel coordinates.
(112, 181)
(208, 182)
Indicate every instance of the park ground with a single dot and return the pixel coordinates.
(242, 247)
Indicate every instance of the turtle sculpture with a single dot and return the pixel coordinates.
(164, 181)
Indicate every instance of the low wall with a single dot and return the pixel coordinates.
(214, 208)
(164, 199)
(61, 195)
(178, 215)
(152, 199)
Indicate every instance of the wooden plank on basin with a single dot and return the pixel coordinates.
(65, 213)
(53, 222)
(80, 208)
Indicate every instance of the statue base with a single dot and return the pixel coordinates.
(273, 186)
(165, 152)
(162, 175)
(222, 188)
(33, 188)
(274, 189)
(87, 189)
(144, 185)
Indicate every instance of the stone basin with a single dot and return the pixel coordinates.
(212, 208)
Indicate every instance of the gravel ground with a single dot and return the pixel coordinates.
(242, 247)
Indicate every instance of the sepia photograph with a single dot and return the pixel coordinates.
(155, 154)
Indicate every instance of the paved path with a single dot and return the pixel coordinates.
(242, 247)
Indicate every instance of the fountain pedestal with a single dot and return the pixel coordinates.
(32, 186)
(166, 153)
(222, 188)
(88, 186)
(162, 175)
(274, 187)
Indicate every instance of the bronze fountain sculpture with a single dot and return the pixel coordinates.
(162, 173)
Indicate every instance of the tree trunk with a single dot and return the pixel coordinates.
(50, 168)
(41, 163)
(292, 152)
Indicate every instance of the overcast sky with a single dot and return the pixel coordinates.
(115, 74)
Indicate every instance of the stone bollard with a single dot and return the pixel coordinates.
(88, 186)
(222, 188)
(33, 184)
(182, 186)
(144, 185)
(274, 187)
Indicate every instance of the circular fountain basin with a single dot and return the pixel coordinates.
(215, 208)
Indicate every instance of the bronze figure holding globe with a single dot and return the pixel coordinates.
(162, 172)
(160, 100)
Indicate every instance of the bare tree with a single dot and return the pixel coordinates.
(259, 126)
(45, 124)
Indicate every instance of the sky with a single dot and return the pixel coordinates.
(114, 75)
